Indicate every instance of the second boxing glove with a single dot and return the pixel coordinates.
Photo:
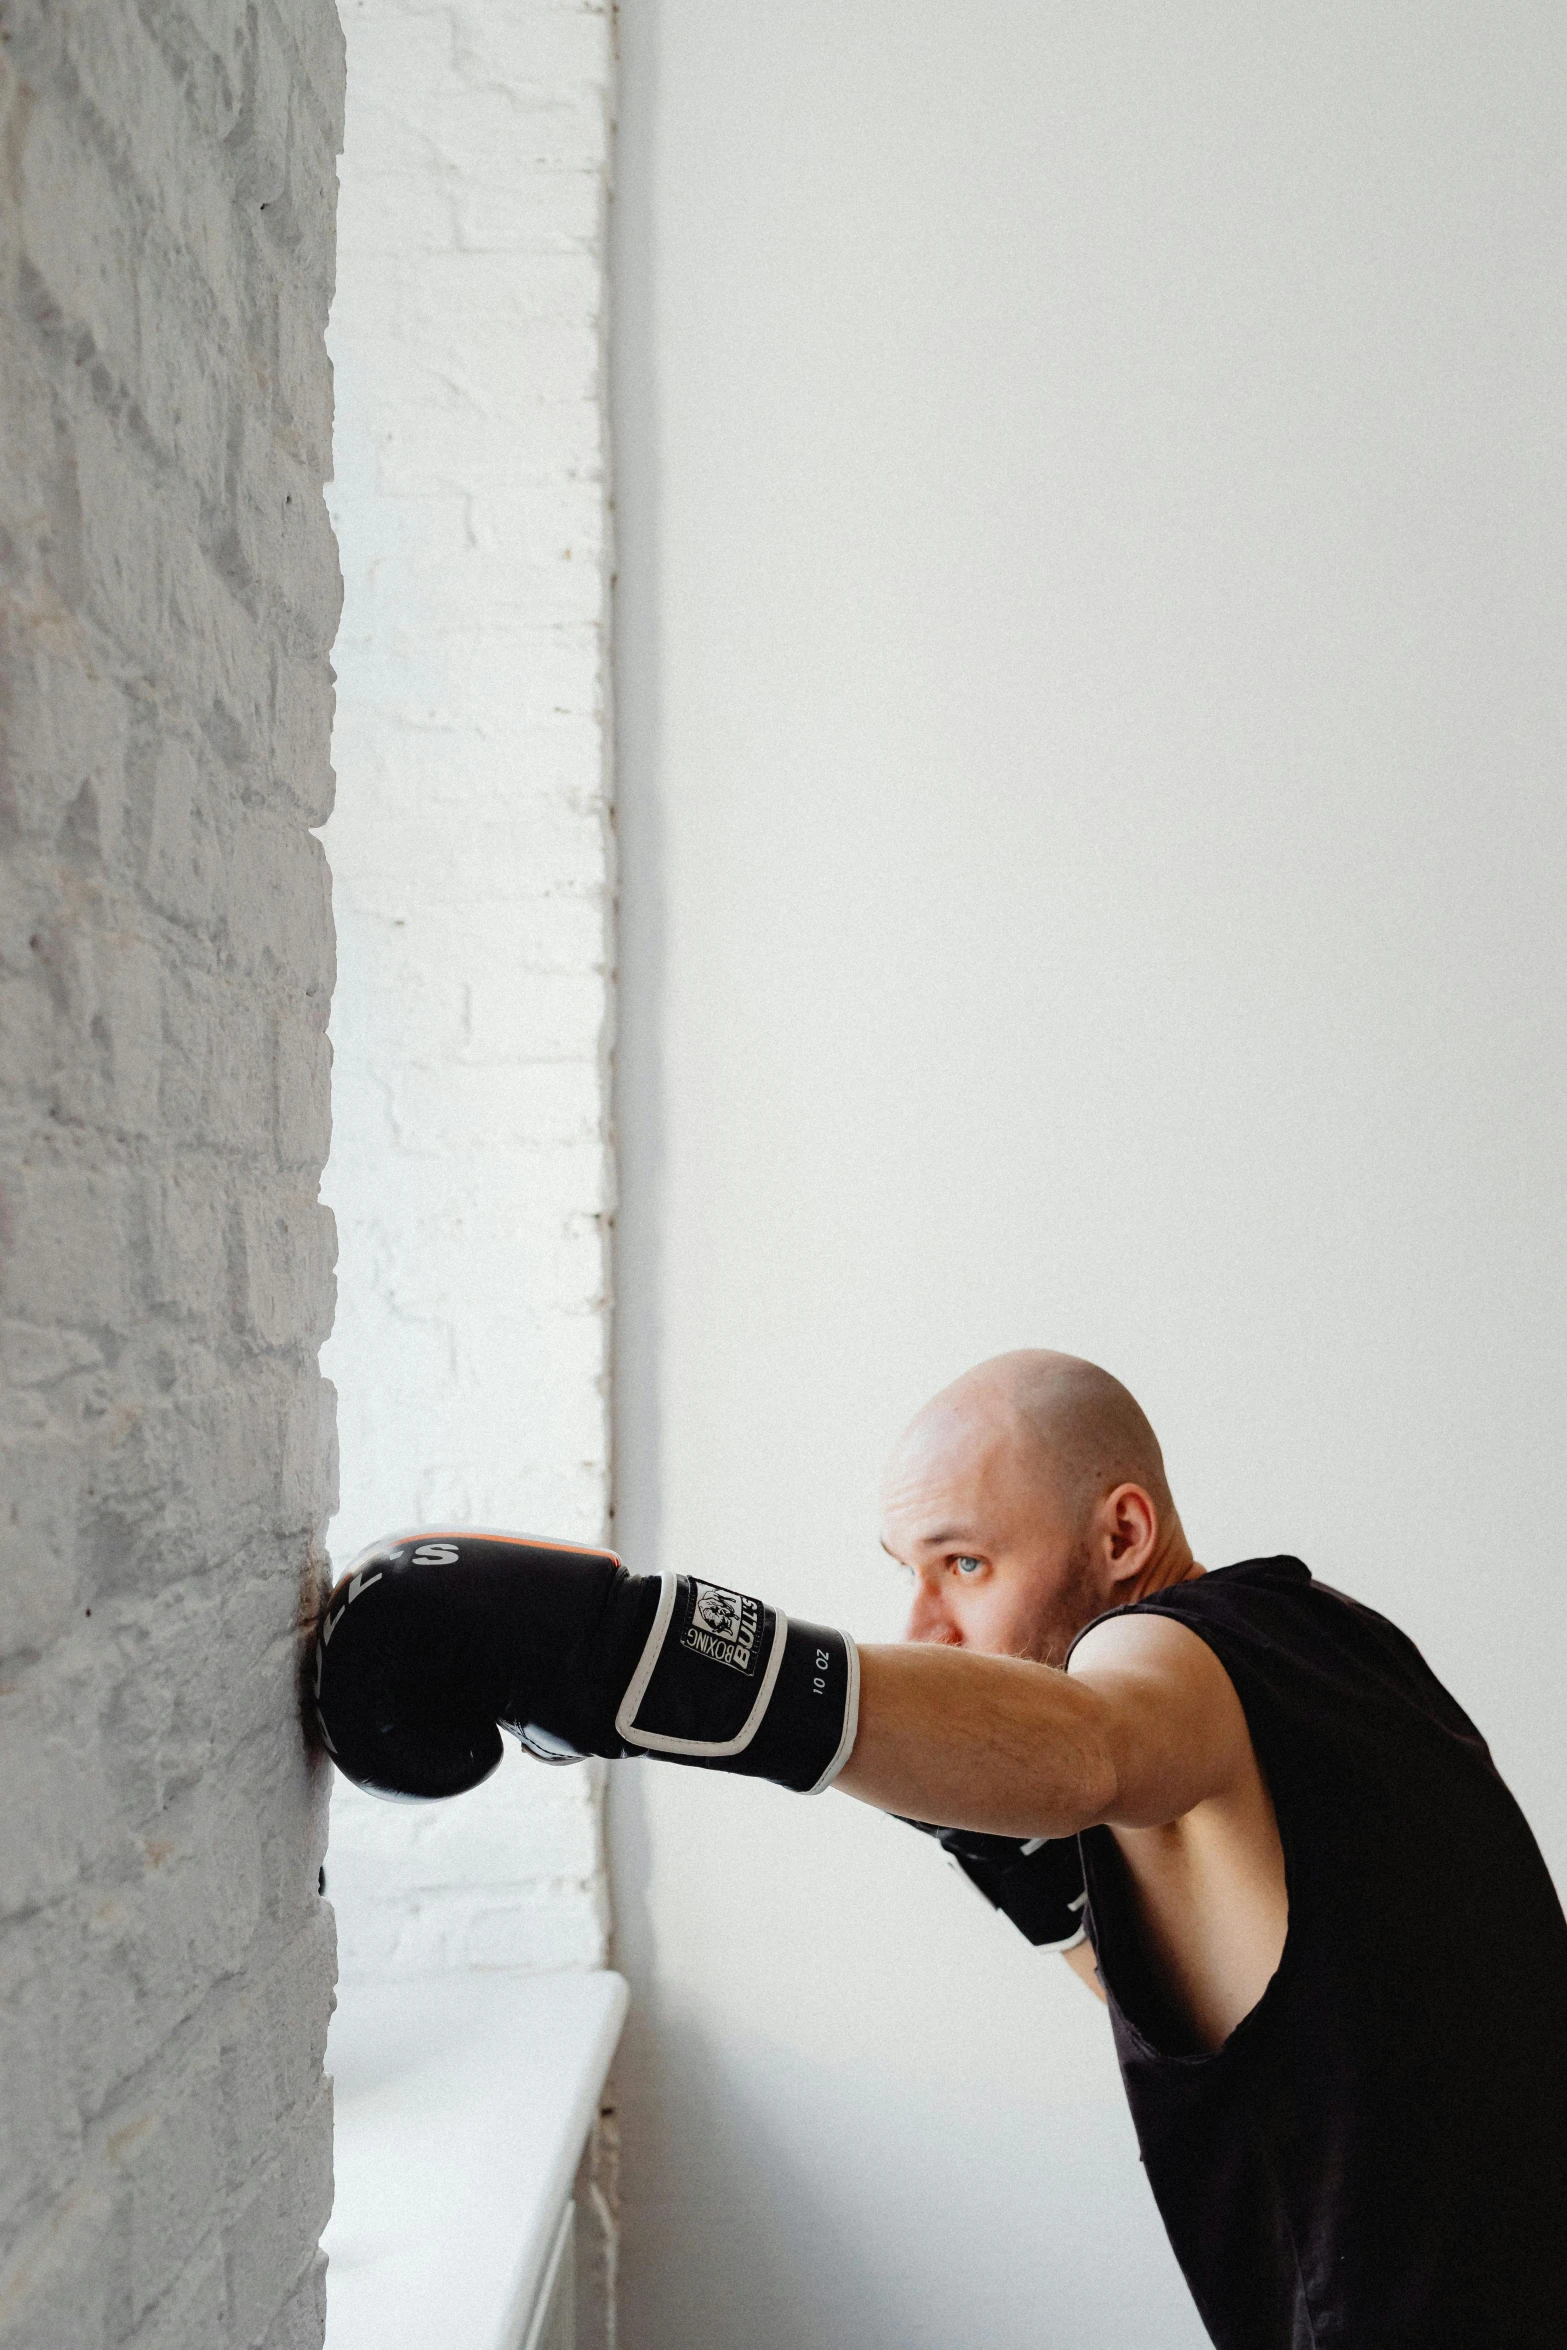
(1036, 1882)
(432, 1640)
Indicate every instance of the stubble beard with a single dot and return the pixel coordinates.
(1072, 1606)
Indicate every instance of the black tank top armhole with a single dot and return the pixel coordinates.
(1147, 2010)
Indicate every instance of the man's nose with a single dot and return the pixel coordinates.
(928, 1619)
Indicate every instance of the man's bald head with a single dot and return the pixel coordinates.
(1027, 1497)
(1071, 1426)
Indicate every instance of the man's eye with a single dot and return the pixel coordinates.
(968, 1566)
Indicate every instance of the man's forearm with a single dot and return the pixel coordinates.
(971, 1741)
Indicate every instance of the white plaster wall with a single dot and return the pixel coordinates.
(471, 857)
(1091, 614)
(168, 592)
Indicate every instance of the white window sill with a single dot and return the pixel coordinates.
(462, 2104)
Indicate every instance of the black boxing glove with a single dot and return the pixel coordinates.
(433, 1642)
(1037, 1883)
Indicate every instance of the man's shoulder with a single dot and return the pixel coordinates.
(1141, 1639)
(1174, 1717)
(1277, 1628)
(1210, 1593)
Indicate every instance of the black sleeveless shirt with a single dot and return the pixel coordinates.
(1376, 2158)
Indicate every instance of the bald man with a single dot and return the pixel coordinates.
(1331, 1951)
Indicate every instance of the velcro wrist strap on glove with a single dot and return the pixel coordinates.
(729, 1684)
(1036, 1882)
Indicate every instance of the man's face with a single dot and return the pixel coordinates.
(996, 1561)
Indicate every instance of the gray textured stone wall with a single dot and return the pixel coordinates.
(168, 593)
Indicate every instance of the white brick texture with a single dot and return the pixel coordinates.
(168, 593)
(471, 849)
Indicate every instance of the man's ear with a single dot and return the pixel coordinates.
(1129, 1525)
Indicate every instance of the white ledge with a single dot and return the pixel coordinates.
(462, 2103)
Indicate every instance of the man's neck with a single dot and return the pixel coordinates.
(1171, 1563)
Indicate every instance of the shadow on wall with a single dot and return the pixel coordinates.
(670, 2082)
(817, 2181)
(641, 911)
(751, 2230)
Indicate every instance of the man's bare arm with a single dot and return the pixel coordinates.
(1145, 1726)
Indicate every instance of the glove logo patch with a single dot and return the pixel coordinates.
(725, 1627)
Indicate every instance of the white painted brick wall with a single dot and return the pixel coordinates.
(168, 591)
(471, 854)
